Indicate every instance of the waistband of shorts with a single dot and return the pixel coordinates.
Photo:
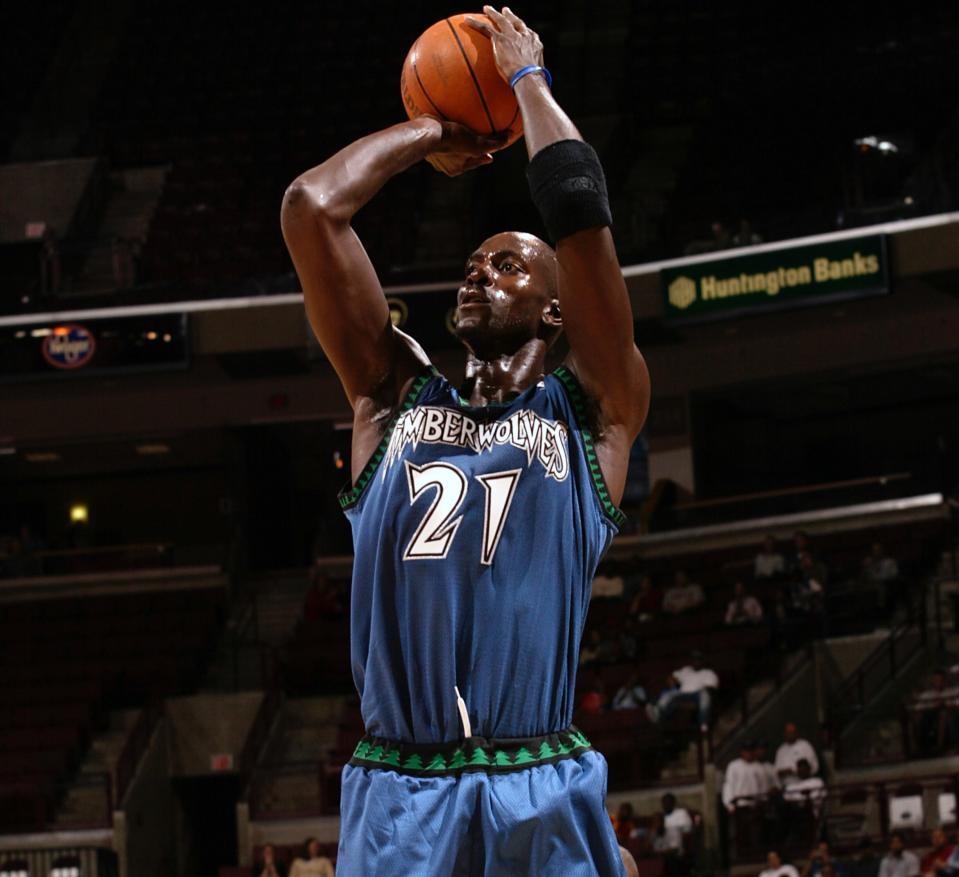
(503, 755)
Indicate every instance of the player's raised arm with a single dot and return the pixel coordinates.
(569, 189)
(343, 297)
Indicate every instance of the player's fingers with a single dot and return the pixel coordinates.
(514, 19)
(499, 20)
(482, 26)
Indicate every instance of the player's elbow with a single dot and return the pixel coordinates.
(311, 199)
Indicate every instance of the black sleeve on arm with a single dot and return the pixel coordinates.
(568, 187)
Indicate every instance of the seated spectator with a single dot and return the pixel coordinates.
(312, 864)
(805, 789)
(268, 866)
(589, 651)
(648, 600)
(951, 867)
(822, 864)
(866, 862)
(746, 237)
(743, 780)
(629, 639)
(743, 609)
(801, 543)
(776, 868)
(791, 750)
(898, 862)
(677, 822)
(624, 822)
(631, 695)
(683, 595)
(937, 708)
(693, 683)
(769, 563)
(593, 702)
(878, 567)
(938, 857)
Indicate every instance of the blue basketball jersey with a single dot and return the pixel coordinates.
(476, 532)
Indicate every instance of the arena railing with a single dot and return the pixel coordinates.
(842, 813)
(85, 861)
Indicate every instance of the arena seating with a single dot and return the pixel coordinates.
(65, 662)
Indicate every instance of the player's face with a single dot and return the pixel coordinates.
(507, 297)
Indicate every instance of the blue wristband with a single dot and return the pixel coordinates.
(525, 71)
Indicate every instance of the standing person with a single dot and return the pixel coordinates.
(776, 868)
(479, 510)
(790, 751)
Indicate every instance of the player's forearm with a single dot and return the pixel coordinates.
(544, 120)
(346, 181)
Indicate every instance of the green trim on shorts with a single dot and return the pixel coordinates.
(472, 754)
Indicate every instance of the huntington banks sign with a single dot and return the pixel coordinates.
(777, 279)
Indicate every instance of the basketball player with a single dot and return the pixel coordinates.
(479, 509)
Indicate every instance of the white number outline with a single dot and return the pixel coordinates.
(498, 524)
(442, 531)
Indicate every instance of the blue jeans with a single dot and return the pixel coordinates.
(669, 700)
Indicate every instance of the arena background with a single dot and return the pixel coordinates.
(174, 656)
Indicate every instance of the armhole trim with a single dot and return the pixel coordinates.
(577, 398)
(350, 496)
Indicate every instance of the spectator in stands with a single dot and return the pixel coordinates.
(631, 694)
(938, 856)
(694, 683)
(629, 863)
(648, 600)
(596, 650)
(746, 237)
(821, 863)
(769, 563)
(898, 862)
(866, 861)
(808, 588)
(770, 776)
(629, 639)
(624, 822)
(312, 864)
(743, 781)
(937, 708)
(323, 599)
(593, 702)
(776, 868)
(743, 609)
(791, 750)
(721, 240)
(801, 544)
(268, 866)
(878, 567)
(805, 790)
(683, 595)
(677, 822)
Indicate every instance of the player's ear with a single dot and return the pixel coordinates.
(552, 315)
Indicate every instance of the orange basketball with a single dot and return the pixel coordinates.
(450, 73)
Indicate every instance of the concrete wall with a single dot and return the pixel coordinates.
(144, 828)
(206, 725)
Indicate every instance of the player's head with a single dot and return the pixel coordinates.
(509, 295)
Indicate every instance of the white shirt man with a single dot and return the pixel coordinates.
(692, 680)
(811, 789)
(791, 751)
(676, 822)
(744, 779)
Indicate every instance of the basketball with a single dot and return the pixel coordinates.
(450, 73)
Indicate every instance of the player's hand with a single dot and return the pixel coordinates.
(460, 149)
(515, 46)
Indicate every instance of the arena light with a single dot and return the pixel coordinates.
(42, 457)
(151, 449)
(41, 333)
(79, 514)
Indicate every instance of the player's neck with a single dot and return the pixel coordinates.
(501, 378)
